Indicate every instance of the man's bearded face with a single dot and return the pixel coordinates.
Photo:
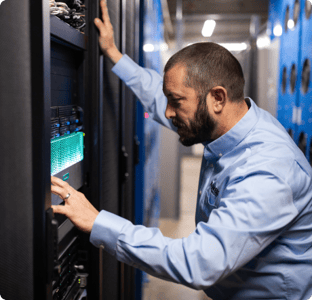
(199, 128)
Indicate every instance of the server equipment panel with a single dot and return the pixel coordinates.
(67, 146)
(68, 264)
(67, 255)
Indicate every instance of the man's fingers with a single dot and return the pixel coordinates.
(58, 182)
(59, 209)
(56, 190)
(99, 24)
(105, 15)
(63, 184)
(62, 191)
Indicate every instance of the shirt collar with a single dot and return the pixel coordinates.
(234, 136)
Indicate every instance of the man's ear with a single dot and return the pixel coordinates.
(219, 98)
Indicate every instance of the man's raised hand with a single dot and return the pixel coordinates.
(106, 39)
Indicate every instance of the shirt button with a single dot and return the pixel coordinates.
(102, 247)
(200, 192)
(220, 154)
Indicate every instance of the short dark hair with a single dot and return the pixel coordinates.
(208, 65)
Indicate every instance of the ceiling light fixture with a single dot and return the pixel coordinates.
(263, 42)
(234, 46)
(208, 28)
(148, 48)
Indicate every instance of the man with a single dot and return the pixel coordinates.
(254, 233)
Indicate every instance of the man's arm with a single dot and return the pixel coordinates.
(145, 83)
(245, 223)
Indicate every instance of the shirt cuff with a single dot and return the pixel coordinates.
(125, 68)
(105, 231)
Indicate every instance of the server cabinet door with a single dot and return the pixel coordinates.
(24, 147)
(305, 82)
(289, 61)
(109, 182)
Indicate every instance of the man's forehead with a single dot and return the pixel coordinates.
(176, 69)
(175, 76)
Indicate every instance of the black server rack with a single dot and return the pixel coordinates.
(57, 89)
(110, 119)
(128, 142)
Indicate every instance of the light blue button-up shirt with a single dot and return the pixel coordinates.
(253, 238)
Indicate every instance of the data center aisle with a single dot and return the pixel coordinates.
(157, 289)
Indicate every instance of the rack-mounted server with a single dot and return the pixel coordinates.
(67, 146)
(67, 262)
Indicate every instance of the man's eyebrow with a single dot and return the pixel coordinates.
(174, 95)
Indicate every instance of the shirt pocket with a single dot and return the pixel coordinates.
(212, 195)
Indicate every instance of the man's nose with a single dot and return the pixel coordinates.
(170, 112)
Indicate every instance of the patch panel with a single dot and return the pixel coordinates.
(66, 120)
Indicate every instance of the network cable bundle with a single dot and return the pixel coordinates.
(71, 12)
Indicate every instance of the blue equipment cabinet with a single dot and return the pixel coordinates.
(289, 59)
(305, 84)
(275, 16)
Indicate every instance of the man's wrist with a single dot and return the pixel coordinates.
(114, 55)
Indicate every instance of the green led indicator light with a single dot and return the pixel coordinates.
(66, 177)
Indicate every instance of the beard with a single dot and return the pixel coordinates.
(199, 129)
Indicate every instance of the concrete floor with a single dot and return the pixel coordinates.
(157, 289)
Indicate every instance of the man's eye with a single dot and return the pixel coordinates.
(174, 102)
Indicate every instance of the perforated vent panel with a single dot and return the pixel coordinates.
(66, 151)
